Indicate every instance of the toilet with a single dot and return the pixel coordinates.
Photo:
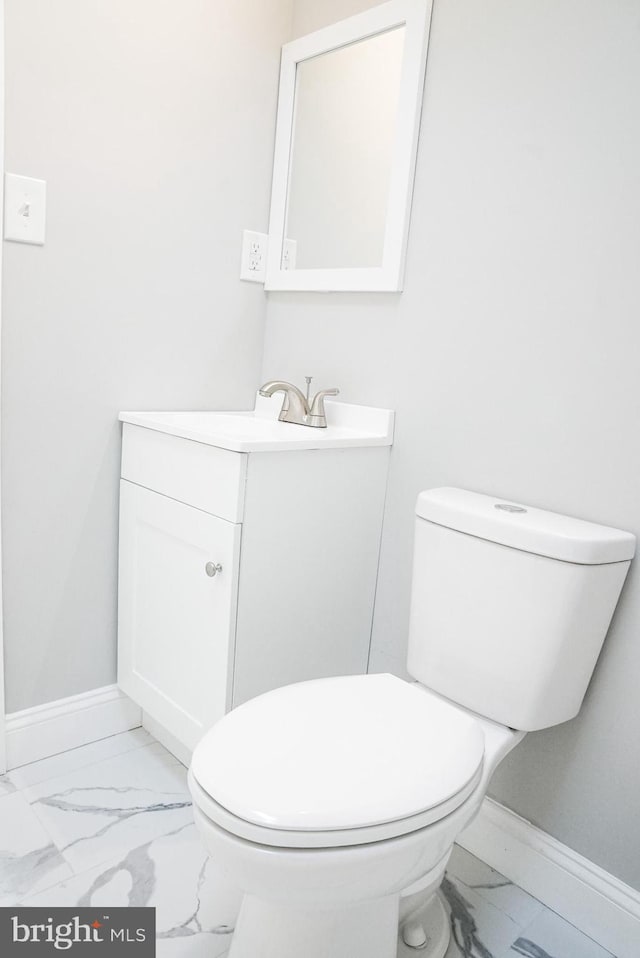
(333, 804)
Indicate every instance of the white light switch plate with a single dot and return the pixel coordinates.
(253, 262)
(24, 209)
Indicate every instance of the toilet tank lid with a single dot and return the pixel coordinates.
(525, 528)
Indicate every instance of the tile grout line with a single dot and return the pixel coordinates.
(61, 851)
(531, 921)
(42, 819)
(107, 862)
(606, 953)
(97, 761)
(82, 768)
(42, 822)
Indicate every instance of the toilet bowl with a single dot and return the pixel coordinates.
(333, 804)
(328, 801)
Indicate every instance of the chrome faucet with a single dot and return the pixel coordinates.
(296, 407)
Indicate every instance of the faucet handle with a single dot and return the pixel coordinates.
(317, 411)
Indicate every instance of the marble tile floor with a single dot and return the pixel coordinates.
(111, 824)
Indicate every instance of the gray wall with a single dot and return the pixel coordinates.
(512, 356)
(152, 122)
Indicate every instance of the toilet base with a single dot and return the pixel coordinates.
(366, 930)
(273, 930)
(426, 934)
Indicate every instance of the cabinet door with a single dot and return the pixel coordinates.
(176, 622)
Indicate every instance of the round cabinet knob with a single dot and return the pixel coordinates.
(212, 568)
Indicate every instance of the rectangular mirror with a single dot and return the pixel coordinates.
(346, 138)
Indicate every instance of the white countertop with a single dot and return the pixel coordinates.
(258, 430)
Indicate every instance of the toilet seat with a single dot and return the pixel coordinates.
(328, 838)
(337, 761)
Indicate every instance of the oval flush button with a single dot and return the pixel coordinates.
(508, 507)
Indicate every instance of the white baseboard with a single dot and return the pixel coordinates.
(45, 730)
(597, 903)
(170, 742)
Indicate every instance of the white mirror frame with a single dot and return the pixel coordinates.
(416, 16)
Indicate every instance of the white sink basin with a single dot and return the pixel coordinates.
(258, 429)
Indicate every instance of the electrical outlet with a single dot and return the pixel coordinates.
(253, 261)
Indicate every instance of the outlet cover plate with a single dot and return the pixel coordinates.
(289, 253)
(253, 262)
(25, 202)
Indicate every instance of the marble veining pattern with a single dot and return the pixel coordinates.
(105, 809)
(111, 824)
(475, 878)
(172, 873)
(493, 918)
(478, 928)
(464, 929)
(530, 950)
(29, 859)
(64, 801)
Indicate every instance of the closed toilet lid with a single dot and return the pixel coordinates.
(338, 753)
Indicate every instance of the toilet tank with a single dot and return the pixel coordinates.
(510, 605)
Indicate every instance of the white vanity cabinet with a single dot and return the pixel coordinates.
(241, 571)
(176, 623)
